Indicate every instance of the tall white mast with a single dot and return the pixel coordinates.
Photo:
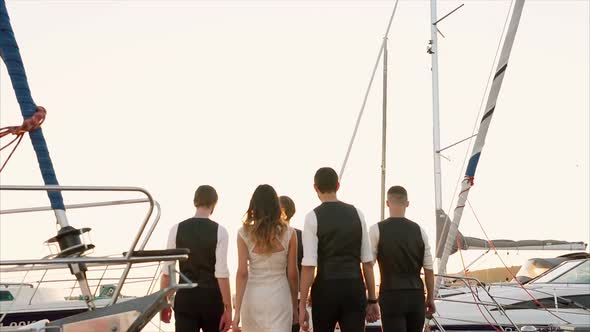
(440, 216)
(384, 130)
(481, 136)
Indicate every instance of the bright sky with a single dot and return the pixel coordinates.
(168, 95)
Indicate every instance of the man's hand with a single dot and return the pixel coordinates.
(303, 317)
(373, 312)
(430, 307)
(165, 315)
(225, 321)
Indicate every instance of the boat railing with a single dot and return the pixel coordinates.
(135, 255)
(474, 284)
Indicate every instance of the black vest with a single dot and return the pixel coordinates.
(299, 249)
(400, 254)
(339, 234)
(199, 235)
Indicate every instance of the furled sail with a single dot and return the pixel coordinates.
(467, 182)
(474, 243)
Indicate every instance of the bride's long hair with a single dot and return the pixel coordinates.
(262, 222)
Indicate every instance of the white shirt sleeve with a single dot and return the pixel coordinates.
(221, 269)
(310, 240)
(427, 263)
(374, 237)
(170, 244)
(366, 250)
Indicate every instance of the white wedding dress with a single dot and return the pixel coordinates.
(267, 306)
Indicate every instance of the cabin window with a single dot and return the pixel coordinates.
(578, 275)
(583, 300)
(6, 296)
(566, 302)
(562, 273)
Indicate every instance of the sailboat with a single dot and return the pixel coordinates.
(449, 239)
(556, 298)
(87, 312)
(452, 240)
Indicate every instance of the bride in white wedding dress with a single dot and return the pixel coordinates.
(267, 277)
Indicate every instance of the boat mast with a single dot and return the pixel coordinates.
(384, 130)
(481, 136)
(366, 97)
(440, 215)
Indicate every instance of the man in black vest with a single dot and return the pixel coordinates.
(402, 250)
(288, 210)
(207, 306)
(336, 241)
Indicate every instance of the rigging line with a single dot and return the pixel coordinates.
(510, 271)
(456, 143)
(100, 280)
(7, 145)
(475, 297)
(449, 14)
(360, 115)
(20, 138)
(481, 106)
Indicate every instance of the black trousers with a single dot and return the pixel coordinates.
(341, 301)
(198, 308)
(402, 310)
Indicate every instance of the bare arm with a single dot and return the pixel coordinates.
(241, 276)
(368, 253)
(166, 313)
(307, 274)
(225, 292)
(429, 278)
(164, 281)
(292, 271)
(369, 276)
(309, 262)
(221, 269)
(430, 306)
(427, 264)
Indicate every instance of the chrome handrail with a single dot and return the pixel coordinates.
(102, 260)
(75, 206)
(136, 239)
(478, 283)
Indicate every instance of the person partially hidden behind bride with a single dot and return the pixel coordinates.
(266, 297)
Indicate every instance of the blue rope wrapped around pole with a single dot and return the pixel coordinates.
(10, 53)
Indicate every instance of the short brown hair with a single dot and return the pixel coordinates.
(397, 194)
(205, 196)
(326, 180)
(288, 206)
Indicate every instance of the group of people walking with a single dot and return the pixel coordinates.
(278, 265)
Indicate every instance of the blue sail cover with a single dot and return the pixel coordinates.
(11, 55)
